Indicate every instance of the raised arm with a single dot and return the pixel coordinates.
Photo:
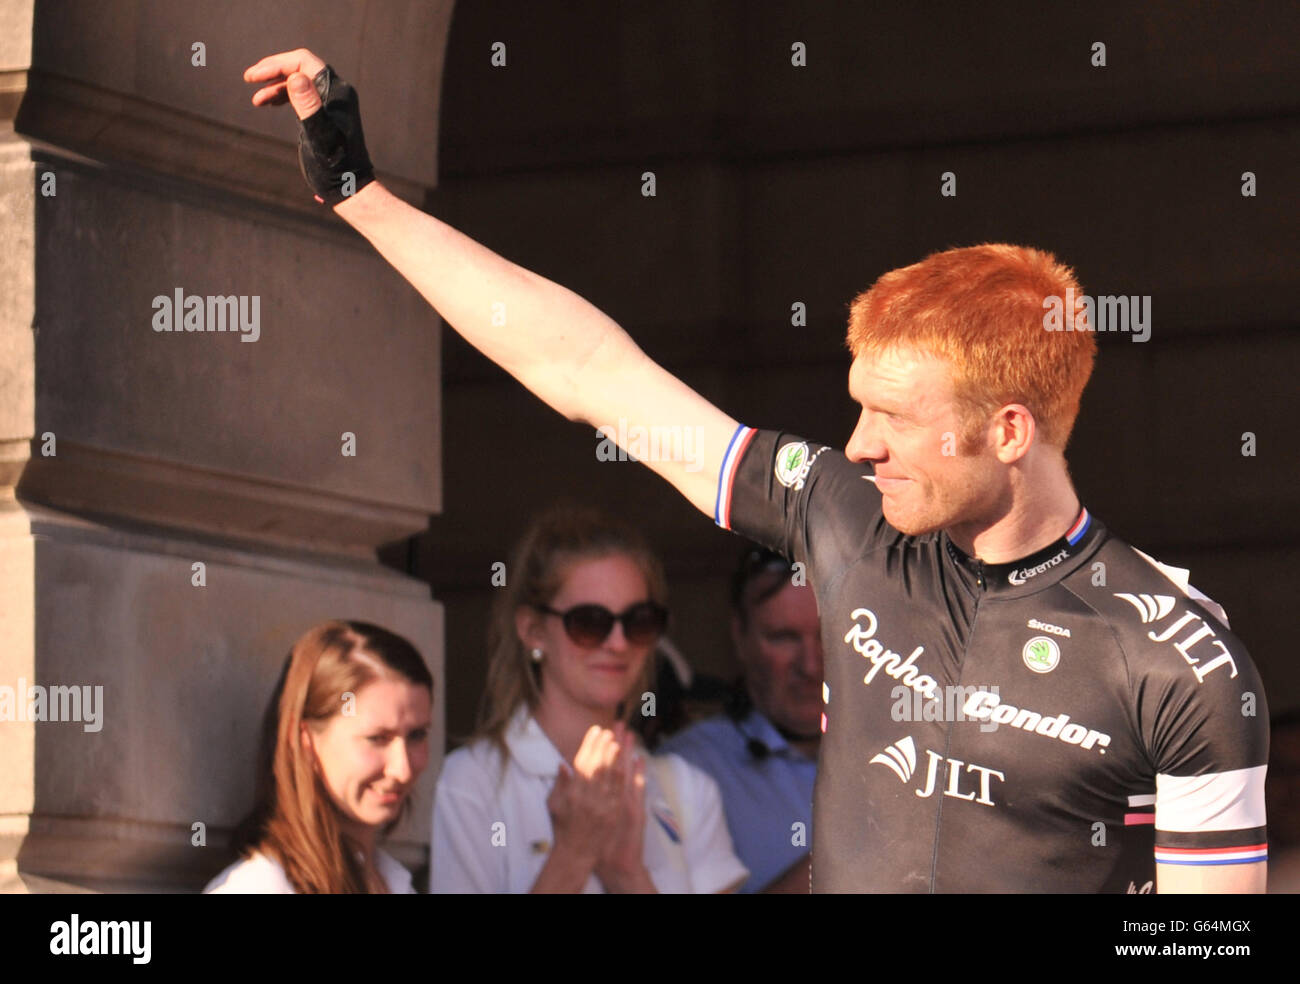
(563, 349)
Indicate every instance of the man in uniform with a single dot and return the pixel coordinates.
(1089, 722)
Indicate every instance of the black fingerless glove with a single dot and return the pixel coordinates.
(331, 147)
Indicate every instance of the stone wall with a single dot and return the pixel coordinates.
(137, 167)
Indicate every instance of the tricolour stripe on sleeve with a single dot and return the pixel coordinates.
(1247, 854)
(1231, 800)
(727, 475)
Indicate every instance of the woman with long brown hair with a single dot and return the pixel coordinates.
(343, 741)
(553, 793)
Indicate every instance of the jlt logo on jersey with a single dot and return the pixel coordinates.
(862, 638)
(900, 758)
(1152, 608)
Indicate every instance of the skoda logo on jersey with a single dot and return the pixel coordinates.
(793, 462)
(789, 460)
(1041, 654)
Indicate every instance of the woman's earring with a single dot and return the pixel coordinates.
(537, 655)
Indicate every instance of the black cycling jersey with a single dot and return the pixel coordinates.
(1058, 724)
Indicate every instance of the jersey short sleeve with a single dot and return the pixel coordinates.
(804, 500)
(1203, 718)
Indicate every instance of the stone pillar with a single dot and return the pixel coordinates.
(179, 506)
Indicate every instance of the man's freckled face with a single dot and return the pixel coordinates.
(910, 431)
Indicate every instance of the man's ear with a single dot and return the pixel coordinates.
(1014, 430)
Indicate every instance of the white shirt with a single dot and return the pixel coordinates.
(492, 832)
(261, 875)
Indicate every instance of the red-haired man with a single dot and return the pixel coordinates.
(1081, 720)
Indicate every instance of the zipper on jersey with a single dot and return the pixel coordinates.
(947, 745)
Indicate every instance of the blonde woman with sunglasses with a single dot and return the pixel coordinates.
(554, 794)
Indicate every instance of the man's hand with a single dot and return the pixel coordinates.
(331, 146)
(283, 68)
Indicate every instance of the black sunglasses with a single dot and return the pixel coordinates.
(590, 625)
